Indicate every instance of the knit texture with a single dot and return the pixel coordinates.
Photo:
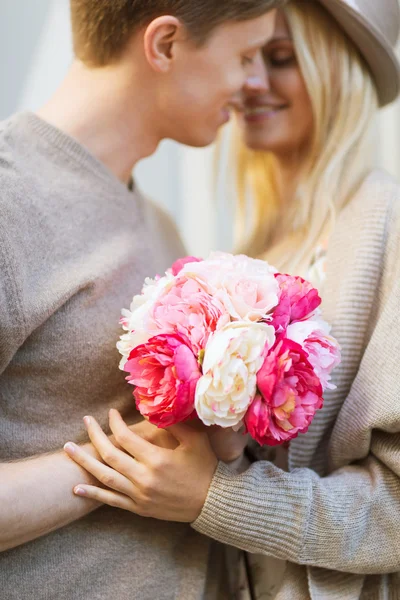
(75, 245)
(335, 515)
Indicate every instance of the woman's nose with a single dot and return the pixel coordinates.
(257, 81)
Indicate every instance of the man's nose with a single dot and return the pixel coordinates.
(257, 81)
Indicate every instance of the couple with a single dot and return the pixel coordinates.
(77, 239)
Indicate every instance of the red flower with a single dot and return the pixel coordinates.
(290, 394)
(165, 373)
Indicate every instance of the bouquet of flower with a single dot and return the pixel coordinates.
(231, 341)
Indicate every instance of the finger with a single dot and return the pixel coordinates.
(112, 456)
(141, 449)
(108, 477)
(106, 497)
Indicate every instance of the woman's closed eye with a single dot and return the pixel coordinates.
(280, 58)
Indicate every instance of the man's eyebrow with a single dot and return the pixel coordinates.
(264, 42)
(258, 43)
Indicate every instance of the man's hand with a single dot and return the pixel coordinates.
(163, 483)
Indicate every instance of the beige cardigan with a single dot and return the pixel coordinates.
(335, 516)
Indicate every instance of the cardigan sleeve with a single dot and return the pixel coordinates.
(349, 520)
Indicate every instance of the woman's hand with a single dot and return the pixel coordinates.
(170, 484)
(227, 444)
(156, 436)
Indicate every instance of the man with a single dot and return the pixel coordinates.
(75, 245)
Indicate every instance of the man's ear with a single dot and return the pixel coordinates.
(159, 39)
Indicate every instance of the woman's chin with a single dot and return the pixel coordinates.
(260, 144)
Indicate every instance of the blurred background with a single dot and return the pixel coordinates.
(35, 46)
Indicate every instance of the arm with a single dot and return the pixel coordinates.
(347, 522)
(36, 498)
(167, 482)
(36, 494)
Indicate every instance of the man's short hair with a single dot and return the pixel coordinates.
(102, 28)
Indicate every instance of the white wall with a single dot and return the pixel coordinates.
(35, 51)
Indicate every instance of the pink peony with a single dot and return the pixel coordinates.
(165, 373)
(290, 394)
(298, 300)
(322, 349)
(187, 309)
(181, 262)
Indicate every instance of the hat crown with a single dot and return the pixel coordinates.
(382, 15)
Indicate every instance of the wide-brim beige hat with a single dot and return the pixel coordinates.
(373, 26)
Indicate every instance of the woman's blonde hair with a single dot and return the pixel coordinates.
(344, 102)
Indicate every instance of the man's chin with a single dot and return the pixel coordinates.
(197, 140)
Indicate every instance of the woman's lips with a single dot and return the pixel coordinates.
(260, 113)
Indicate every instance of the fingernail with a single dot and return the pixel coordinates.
(79, 491)
(86, 420)
(69, 448)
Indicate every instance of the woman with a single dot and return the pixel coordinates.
(331, 506)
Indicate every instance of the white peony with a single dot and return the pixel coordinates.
(233, 356)
(136, 321)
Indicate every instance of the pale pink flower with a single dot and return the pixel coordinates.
(290, 394)
(322, 349)
(247, 287)
(298, 300)
(165, 373)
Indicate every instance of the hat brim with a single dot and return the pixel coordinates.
(377, 52)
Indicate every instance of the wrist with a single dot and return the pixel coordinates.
(239, 464)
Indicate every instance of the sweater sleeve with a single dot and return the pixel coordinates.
(12, 324)
(349, 520)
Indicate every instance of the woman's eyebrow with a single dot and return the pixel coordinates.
(281, 39)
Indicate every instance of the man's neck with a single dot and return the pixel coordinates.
(113, 119)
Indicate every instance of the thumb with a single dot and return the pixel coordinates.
(186, 435)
